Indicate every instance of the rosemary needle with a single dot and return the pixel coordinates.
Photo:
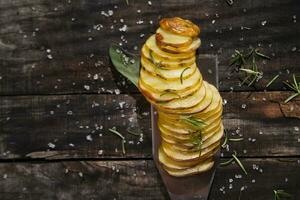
(117, 133)
(121, 136)
(181, 75)
(228, 161)
(234, 158)
(239, 163)
(235, 139)
(272, 80)
(278, 194)
(295, 87)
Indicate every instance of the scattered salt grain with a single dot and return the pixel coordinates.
(80, 174)
(121, 104)
(296, 128)
(263, 23)
(89, 138)
(100, 152)
(149, 3)
(87, 87)
(123, 28)
(51, 145)
(70, 112)
(95, 77)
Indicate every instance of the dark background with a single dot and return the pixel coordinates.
(58, 89)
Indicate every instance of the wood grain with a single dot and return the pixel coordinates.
(78, 125)
(139, 180)
(79, 50)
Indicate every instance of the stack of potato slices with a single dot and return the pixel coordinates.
(189, 108)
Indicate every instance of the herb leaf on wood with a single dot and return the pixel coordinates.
(125, 63)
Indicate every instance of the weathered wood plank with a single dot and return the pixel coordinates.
(79, 49)
(139, 180)
(76, 126)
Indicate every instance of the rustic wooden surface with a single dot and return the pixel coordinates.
(55, 115)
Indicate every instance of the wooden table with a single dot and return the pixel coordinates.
(60, 95)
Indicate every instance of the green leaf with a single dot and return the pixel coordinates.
(278, 194)
(261, 55)
(127, 65)
(272, 80)
(181, 75)
(239, 163)
(194, 122)
(291, 97)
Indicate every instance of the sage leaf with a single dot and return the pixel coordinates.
(127, 64)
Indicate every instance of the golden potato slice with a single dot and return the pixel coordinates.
(184, 103)
(211, 150)
(187, 145)
(154, 50)
(175, 137)
(176, 126)
(167, 38)
(169, 85)
(189, 49)
(197, 111)
(202, 167)
(177, 155)
(180, 26)
(168, 74)
(205, 102)
(167, 64)
(172, 164)
(157, 96)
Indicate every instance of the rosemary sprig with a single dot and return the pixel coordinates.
(234, 158)
(196, 140)
(194, 122)
(227, 162)
(113, 130)
(241, 61)
(181, 75)
(278, 194)
(225, 142)
(235, 139)
(239, 163)
(226, 139)
(272, 80)
(294, 86)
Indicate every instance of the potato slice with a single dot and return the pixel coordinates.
(155, 50)
(202, 167)
(167, 38)
(189, 163)
(176, 126)
(189, 49)
(216, 104)
(172, 164)
(186, 145)
(169, 85)
(206, 101)
(157, 96)
(186, 102)
(175, 137)
(184, 156)
(168, 74)
(180, 26)
(167, 64)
